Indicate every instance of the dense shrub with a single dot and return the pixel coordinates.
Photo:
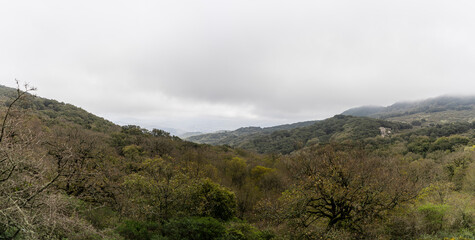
(131, 229)
(239, 230)
(193, 228)
(433, 216)
(215, 201)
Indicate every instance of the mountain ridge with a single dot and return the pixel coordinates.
(406, 108)
(438, 110)
(339, 127)
(97, 180)
(225, 136)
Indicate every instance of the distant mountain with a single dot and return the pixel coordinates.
(434, 110)
(173, 131)
(62, 164)
(354, 124)
(337, 128)
(363, 111)
(285, 141)
(229, 137)
(189, 134)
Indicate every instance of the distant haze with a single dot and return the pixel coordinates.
(208, 65)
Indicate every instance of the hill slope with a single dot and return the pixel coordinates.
(284, 141)
(229, 137)
(362, 124)
(434, 110)
(54, 112)
(337, 128)
(67, 174)
(98, 180)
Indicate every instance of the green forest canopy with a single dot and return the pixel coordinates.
(67, 174)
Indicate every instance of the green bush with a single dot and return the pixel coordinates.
(239, 230)
(433, 215)
(193, 228)
(419, 145)
(136, 230)
(215, 201)
(102, 218)
(449, 143)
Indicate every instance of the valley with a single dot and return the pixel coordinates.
(68, 174)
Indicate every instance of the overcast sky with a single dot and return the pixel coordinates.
(209, 65)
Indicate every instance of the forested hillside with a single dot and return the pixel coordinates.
(67, 174)
(230, 137)
(337, 128)
(434, 110)
(287, 138)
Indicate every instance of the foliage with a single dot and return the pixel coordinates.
(286, 141)
(338, 128)
(67, 174)
(130, 229)
(348, 188)
(193, 228)
(433, 216)
(215, 201)
(424, 144)
(239, 230)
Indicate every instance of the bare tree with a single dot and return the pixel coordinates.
(348, 188)
(12, 145)
(36, 163)
(26, 172)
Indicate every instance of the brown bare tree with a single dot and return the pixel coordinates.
(347, 187)
(28, 209)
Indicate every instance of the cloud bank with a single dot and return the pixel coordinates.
(210, 65)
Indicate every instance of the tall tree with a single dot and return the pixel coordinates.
(347, 187)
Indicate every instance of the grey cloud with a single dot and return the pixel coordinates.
(273, 61)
